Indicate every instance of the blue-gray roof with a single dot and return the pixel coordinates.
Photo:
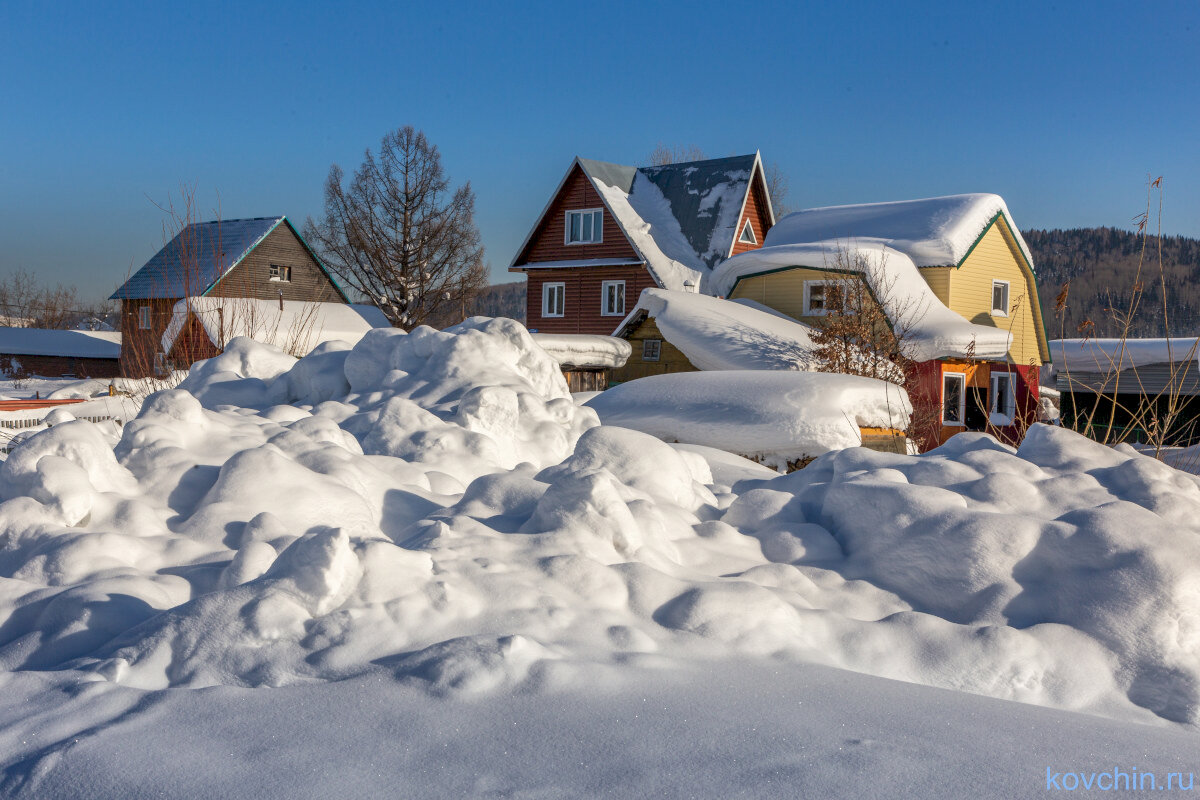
(196, 259)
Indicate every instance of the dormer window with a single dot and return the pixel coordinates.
(281, 274)
(585, 227)
(747, 236)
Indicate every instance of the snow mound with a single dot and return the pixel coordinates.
(718, 334)
(775, 417)
(453, 522)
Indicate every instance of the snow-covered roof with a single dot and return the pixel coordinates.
(928, 329)
(718, 334)
(934, 232)
(45, 342)
(773, 415)
(199, 256)
(297, 327)
(680, 218)
(1113, 355)
(584, 350)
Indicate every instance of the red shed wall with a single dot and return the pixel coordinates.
(547, 242)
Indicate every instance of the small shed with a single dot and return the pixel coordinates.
(25, 352)
(586, 360)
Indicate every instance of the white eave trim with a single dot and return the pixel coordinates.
(757, 169)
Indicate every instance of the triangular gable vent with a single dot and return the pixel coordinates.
(747, 236)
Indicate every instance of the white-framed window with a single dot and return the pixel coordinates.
(554, 299)
(817, 296)
(954, 398)
(1004, 394)
(651, 349)
(999, 298)
(612, 298)
(747, 235)
(281, 273)
(144, 318)
(585, 226)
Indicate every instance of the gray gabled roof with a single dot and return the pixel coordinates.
(202, 254)
(683, 215)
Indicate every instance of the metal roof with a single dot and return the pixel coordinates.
(196, 259)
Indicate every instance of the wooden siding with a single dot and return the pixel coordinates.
(252, 277)
(756, 212)
(138, 347)
(24, 366)
(582, 299)
(1148, 380)
(938, 279)
(548, 241)
(996, 257)
(586, 380)
(784, 290)
(671, 359)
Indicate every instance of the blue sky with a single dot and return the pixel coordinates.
(107, 110)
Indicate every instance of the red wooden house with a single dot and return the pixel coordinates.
(610, 231)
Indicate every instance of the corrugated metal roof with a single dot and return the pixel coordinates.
(196, 259)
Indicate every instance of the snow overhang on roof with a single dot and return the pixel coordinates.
(933, 232)
(928, 329)
(72, 343)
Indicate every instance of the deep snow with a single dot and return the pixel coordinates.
(417, 563)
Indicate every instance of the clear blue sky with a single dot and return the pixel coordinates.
(1062, 108)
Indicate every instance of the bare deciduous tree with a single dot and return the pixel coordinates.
(663, 154)
(27, 303)
(398, 234)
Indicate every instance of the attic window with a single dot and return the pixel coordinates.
(999, 298)
(651, 349)
(585, 227)
(747, 236)
(281, 274)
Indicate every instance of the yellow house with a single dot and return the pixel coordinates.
(952, 272)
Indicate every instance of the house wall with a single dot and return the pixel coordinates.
(938, 279)
(925, 392)
(671, 358)
(191, 345)
(548, 240)
(60, 366)
(784, 290)
(997, 257)
(582, 299)
(138, 346)
(756, 212)
(252, 278)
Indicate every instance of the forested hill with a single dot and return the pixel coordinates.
(1100, 263)
(1102, 266)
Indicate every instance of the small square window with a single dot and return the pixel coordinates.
(585, 227)
(1000, 298)
(281, 273)
(554, 299)
(651, 349)
(818, 297)
(954, 398)
(144, 318)
(612, 298)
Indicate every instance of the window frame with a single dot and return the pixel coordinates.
(657, 350)
(546, 289)
(753, 236)
(808, 284)
(281, 273)
(145, 317)
(604, 285)
(1003, 312)
(962, 401)
(1011, 378)
(597, 226)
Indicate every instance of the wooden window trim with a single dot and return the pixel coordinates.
(651, 346)
(962, 401)
(1011, 401)
(145, 318)
(604, 312)
(280, 273)
(742, 236)
(597, 226)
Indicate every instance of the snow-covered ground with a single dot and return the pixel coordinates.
(417, 568)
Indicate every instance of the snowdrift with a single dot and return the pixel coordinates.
(431, 508)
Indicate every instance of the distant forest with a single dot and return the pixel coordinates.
(1100, 263)
(1102, 267)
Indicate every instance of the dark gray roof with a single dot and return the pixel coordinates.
(196, 259)
(616, 175)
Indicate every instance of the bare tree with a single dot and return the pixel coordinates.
(398, 234)
(777, 188)
(663, 154)
(27, 303)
